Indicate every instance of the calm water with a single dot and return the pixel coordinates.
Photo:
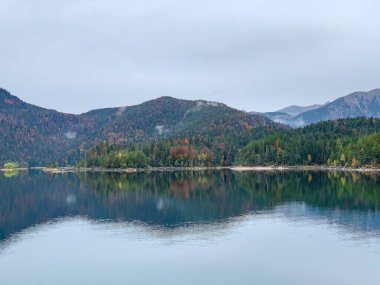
(215, 227)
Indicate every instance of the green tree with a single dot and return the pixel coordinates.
(11, 165)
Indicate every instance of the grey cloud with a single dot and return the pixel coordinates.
(254, 55)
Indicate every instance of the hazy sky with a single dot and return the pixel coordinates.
(77, 55)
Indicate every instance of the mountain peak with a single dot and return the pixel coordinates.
(295, 110)
(360, 96)
(374, 91)
(4, 93)
(7, 98)
(356, 104)
(165, 99)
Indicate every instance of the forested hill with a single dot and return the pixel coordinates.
(32, 134)
(37, 136)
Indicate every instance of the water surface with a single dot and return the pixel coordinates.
(212, 227)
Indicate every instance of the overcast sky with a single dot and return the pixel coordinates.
(77, 55)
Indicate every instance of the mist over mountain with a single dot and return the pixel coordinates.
(295, 110)
(279, 117)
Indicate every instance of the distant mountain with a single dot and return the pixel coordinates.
(286, 115)
(278, 117)
(38, 136)
(296, 110)
(358, 104)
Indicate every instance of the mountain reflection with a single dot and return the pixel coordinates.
(172, 199)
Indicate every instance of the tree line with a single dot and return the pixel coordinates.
(344, 142)
(184, 152)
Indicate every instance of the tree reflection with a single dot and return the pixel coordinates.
(170, 199)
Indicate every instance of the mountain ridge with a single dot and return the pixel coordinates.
(356, 104)
(294, 110)
(38, 136)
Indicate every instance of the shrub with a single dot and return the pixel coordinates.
(11, 165)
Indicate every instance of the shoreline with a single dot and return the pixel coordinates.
(232, 168)
(304, 168)
(13, 169)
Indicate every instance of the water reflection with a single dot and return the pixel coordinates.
(173, 199)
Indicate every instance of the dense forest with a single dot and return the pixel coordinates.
(344, 142)
(186, 152)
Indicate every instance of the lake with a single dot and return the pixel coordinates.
(205, 227)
